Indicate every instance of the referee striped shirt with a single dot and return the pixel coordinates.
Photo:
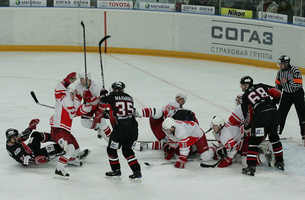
(294, 79)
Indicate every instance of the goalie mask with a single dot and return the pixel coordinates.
(10, 133)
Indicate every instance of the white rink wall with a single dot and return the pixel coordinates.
(244, 39)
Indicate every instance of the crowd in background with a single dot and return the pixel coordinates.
(287, 7)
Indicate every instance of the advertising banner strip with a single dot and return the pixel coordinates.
(272, 17)
(236, 12)
(28, 3)
(299, 20)
(157, 6)
(198, 9)
(115, 4)
(71, 3)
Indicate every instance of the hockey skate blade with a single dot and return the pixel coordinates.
(61, 177)
(136, 180)
(113, 177)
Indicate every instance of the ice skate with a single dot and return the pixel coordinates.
(249, 171)
(61, 174)
(116, 175)
(83, 154)
(279, 165)
(136, 176)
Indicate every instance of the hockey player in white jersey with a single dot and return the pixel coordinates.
(157, 116)
(184, 134)
(61, 122)
(231, 143)
(94, 119)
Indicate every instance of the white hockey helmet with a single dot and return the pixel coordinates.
(238, 99)
(181, 95)
(218, 121)
(168, 123)
(82, 74)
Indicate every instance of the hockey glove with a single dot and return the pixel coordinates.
(98, 116)
(221, 152)
(181, 162)
(225, 162)
(87, 96)
(168, 152)
(33, 123)
(40, 160)
(70, 78)
(28, 161)
(106, 113)
(103, 92)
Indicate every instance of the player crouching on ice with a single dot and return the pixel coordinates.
(31, 154)
(184, 134)
(232, 144)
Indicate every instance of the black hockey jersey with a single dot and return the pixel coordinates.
(19, 151)
(258, 98)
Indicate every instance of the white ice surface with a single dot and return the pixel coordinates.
(152, 81)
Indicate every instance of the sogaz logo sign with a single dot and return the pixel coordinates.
(242, 35)
(245, 41)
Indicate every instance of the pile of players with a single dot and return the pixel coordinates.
(242, 138)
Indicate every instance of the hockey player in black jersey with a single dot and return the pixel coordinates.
(260, 99)
(124, 133)
(31, 154)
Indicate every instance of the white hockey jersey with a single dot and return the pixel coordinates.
(170, 108)
(95, 89)
(186, 134)
(237, 117)
(229, 136)
(65, 109)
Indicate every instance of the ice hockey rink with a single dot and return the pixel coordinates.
(152, 81)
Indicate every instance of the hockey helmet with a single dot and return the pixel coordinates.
(168, 123)
(119, 85)
(284, 59)
(238, 99)
(218, 121)
(246, 80)
(182, 96)
(82, 74)
(10, 133)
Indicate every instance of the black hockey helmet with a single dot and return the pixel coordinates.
(284, 59)
(119, 85)
(10, 133)
(246, 80)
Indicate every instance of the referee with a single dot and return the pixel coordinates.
(289, 81)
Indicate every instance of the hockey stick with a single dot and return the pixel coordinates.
(214, 165)
(170, 163)
(211, 166)
(36, 101)
(84, 35)
(100, 50)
